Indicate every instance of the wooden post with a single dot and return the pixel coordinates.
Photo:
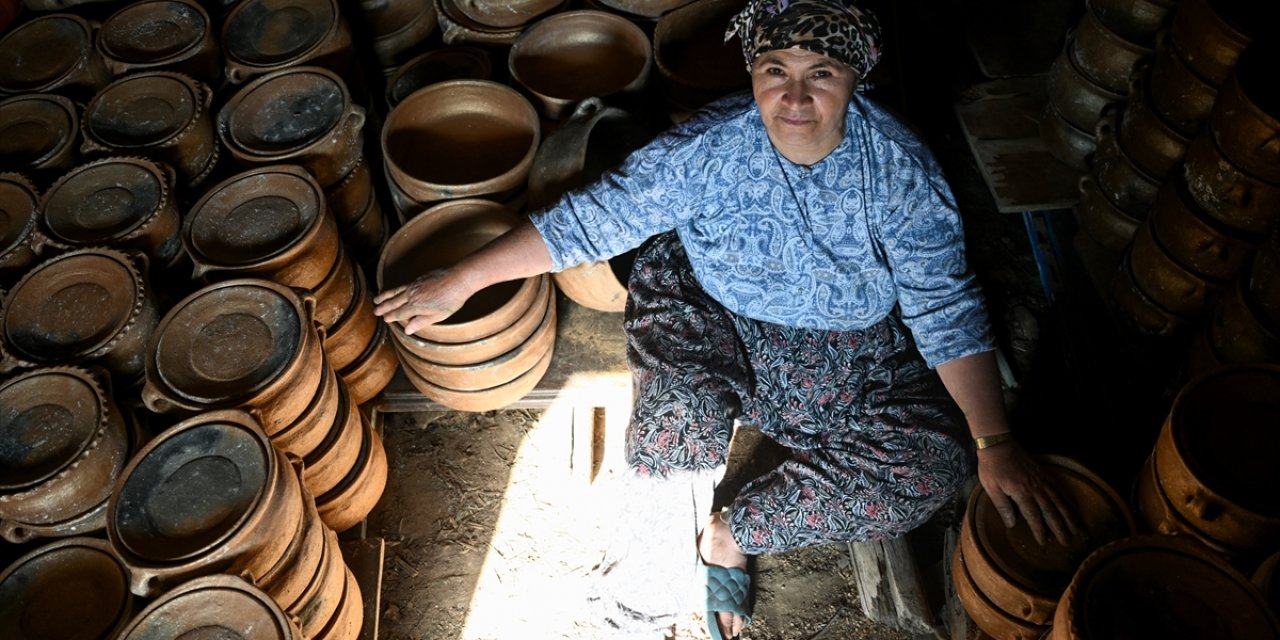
(891, 587)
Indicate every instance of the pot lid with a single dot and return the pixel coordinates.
(71, 305)
(48, 417)
(191, 490)
(268, 32)
(104, 200)
(227, 341)
(17, 211)
(42, 51)
(142, 110)
(39, 589)
(1047, 568)
(153, 31)
(287, 110)
(34, 128)
(216, 607)
(253, 216)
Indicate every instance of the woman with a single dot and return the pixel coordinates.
(803, 270)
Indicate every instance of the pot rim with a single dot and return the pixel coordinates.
(229, 23)
(227, 116)
(72, 123)
(201, 97)
(193, 46)
(85, 49)
(164, 178)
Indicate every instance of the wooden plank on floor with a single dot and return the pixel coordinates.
(365, 557)
(891, 586)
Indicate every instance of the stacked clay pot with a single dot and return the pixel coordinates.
(489, 22)
(261, 36)
(494, 349)
(130, 42)
(693, 62)
(1009, 583)
(227, 603)
(39, 135)
(20, 237)
(396, 28)
(37, 588)
(52, 53)
(437, 65)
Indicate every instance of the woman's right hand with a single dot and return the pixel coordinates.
(429, 299)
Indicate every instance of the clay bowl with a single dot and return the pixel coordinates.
(695, 64)
(298, 115)
(438, 238)
(83, 306)
(1079, 99)
(301, 437)
(1022, 577)
(20, 238)
(479, 375)
(459, 29)
(37, 588)
(1246, 116)
(1193, 238)
(1240, 332)
(261, 36)
(490, 399)
(988, 617)
(1112, 228)
(1069, 144)
(1263, 280)
(349, 198)
(240, 343)
(38, 134)
(227, 603)
(505, 15)
(52, 53)
(127, 203)
(392, 48)
(1126, 185)
(438, 65)
(323, 597)
(1104, 56)
(569, 57)
(422, 351)
(1166, 280)
(336, 293)
(460, 138)
(209, 494)
(1178, 94)
(1159, 515)
(176, 35)
(158, 114)
(358, 492)
(287, 582)
(1212, 455)
(348, 620)
(1139, 310)
(373, 369)
(1242, 202)
(648, 9)
(269, 222)
(1161, 587)
(1154, 145)
(64, 443)
(334, 457)
(1211, 44)
(1134, 20)
(351, 333)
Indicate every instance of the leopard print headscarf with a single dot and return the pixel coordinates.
(834, 28)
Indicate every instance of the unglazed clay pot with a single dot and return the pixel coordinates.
(373, 369)
(695, 64)
(1137, 308)
(1066, 142)
(1237, 199)
(438, 65)
(39, 135)
(1075, 95)
(20, 237)
(261, 36)
(1154, 145)
(1134, 20)
(176, 35)
(392, 47)
(1210, 43)
(1166, 280)
(1194, 238)
(989, 618)
(1239, 331)
(336, 454)
(37, 589)
(1178, 94)
(1103, 55)
(1246, 116)
(230, 604)
(52, 53)
(505, 15)
(351, 500)
(355, 328)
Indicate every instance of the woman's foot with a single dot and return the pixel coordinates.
(716, 546)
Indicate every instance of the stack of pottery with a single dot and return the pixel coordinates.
(39, 135)
(63, 442)
(38, 588)
(488, 22)
(1211, 475)
(212, 495)
(261, 36)
(1009, 583)
(397, 28)
(173, 35)
(437, 65)
(227, 603)
(52, 53)
(20, 237)
(1244, 325)
(695, 65)
(493, 350)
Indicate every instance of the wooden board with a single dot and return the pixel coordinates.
(364, 558)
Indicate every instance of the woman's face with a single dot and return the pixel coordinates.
(802, 97)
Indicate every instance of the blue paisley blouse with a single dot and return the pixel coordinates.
(831, 246)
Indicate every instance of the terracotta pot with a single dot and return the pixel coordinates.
(385, 16)
(1160, 517)
(240, 343)
(459, 29)
(350, 197)
(1075, 96)
(695, 64)
(298, 115)
(1161, 586)
(36, 589)
(207, 495)
(158, 114)
(300, 437)
(421, 350)
(1238, 200)
(438, 65)
(323, 599)
(347, 621)
(373, 369)
(1103, 55)
(269, 222)
(985, 614)
(287, 582)
(368, 234)
(350, 334)
(1263, 280)
(88, 306)
(439, 238)
(1106, 223)
(261, 36)
(1182, 98)
(1139, 310)
(479, 375)
(336, 293)
(125, 203)
(1239, 332)
(1126, 185)
(1024, 578)
(223, 602)
(491, 399)
(391, 48)
(52, 53)
(1168, 282)
(1155, 146)
(1193, 238)
(1246, 117)
(460, 138)
(64, 443)
(334, 457)
(20, 237)
(39, 135)
(1067, 143)
(1212, 455)
(1134, 20)
(356, 494)
(1210, 44)
(175, 35)
(651, 9)
(505, 15)
(569, 57)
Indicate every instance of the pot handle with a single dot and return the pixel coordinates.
(15, 532)
(160, 403)
(235, 74)
(356, 117)
(206, 94)
(89, 147)
(1204, 506)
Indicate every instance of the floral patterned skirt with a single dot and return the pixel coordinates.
(874, 437)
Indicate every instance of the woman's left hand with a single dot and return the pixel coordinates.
(1017, 484)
